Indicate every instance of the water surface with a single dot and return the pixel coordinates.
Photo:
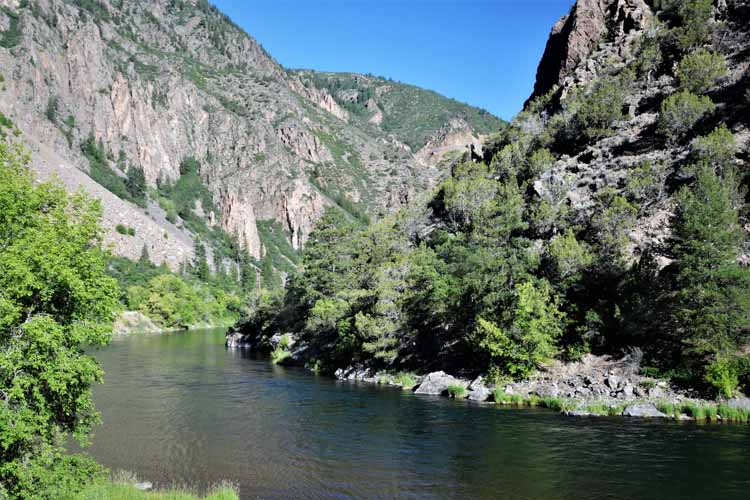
(180, 408)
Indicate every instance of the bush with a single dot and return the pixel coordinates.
(699, 71)
(600, 109)
(456, 391)
(405, 380)
(723, 375)
(681, 111)
(53, 105)
(282, 353)
(717, 148)
(696, 22)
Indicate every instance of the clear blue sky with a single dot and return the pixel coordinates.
(483, 52)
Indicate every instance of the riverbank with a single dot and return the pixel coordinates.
(125, 486)
(594, 386)
(137, 323)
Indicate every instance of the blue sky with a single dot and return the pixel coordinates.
(483, 52)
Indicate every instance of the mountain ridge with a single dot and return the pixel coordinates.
(161, 81)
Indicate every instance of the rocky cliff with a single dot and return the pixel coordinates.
(157, 81)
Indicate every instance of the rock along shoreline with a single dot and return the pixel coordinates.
(594, 386)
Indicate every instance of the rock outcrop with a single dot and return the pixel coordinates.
(158, 81)
(574, 37)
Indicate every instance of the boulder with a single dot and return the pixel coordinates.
(613, 382)
(143, 486)
(436, 383)
(628, 390)
(480, 393)
(739, 403)
(643, 410)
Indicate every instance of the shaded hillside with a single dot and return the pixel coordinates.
(610, 214)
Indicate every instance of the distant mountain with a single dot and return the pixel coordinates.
(100, 88)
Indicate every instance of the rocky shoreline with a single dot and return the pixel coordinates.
(593, 386)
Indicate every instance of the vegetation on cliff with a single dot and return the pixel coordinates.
(501, 270)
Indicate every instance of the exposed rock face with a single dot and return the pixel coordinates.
(577, 34)
(457, 136)
(158, 81)
(238, 218)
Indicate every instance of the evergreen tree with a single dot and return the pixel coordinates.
(135, 183)
(200, 262)
(144, 259)
(711, 291)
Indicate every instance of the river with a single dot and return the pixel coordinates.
(180, 408)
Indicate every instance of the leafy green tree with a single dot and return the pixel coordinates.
(530, 338)
(172, 302)
(711, 298)
(380, 325)
(269, 276)
(681, 111)
(55, 300)
(328, 256)
(699, 71)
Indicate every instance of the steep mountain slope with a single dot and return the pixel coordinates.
(156, 82)
(610, 214)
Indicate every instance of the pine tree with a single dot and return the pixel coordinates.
(145, 259)
(711, 290)
(135, 183)
(200, 262)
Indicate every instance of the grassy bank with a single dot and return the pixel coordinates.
(702, 411)
(114, 490)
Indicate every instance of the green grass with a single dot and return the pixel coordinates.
(729, 414)
(456, 391)
(280, 355)
(125, 491)
(405, 379)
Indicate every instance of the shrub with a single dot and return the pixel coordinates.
(456, 391)
(600, 109)
(723, 375)
(121, 229)
(53, 105)
(699, 71)
(696, 22)
(405, 380)
(681, 111)
(717, 148)
(281, 354)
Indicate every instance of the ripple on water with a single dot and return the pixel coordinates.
(181, 408)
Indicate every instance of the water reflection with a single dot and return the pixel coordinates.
(180, 408)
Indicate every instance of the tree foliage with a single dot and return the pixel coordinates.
(55, 300)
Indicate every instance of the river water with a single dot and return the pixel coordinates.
(180, 408)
